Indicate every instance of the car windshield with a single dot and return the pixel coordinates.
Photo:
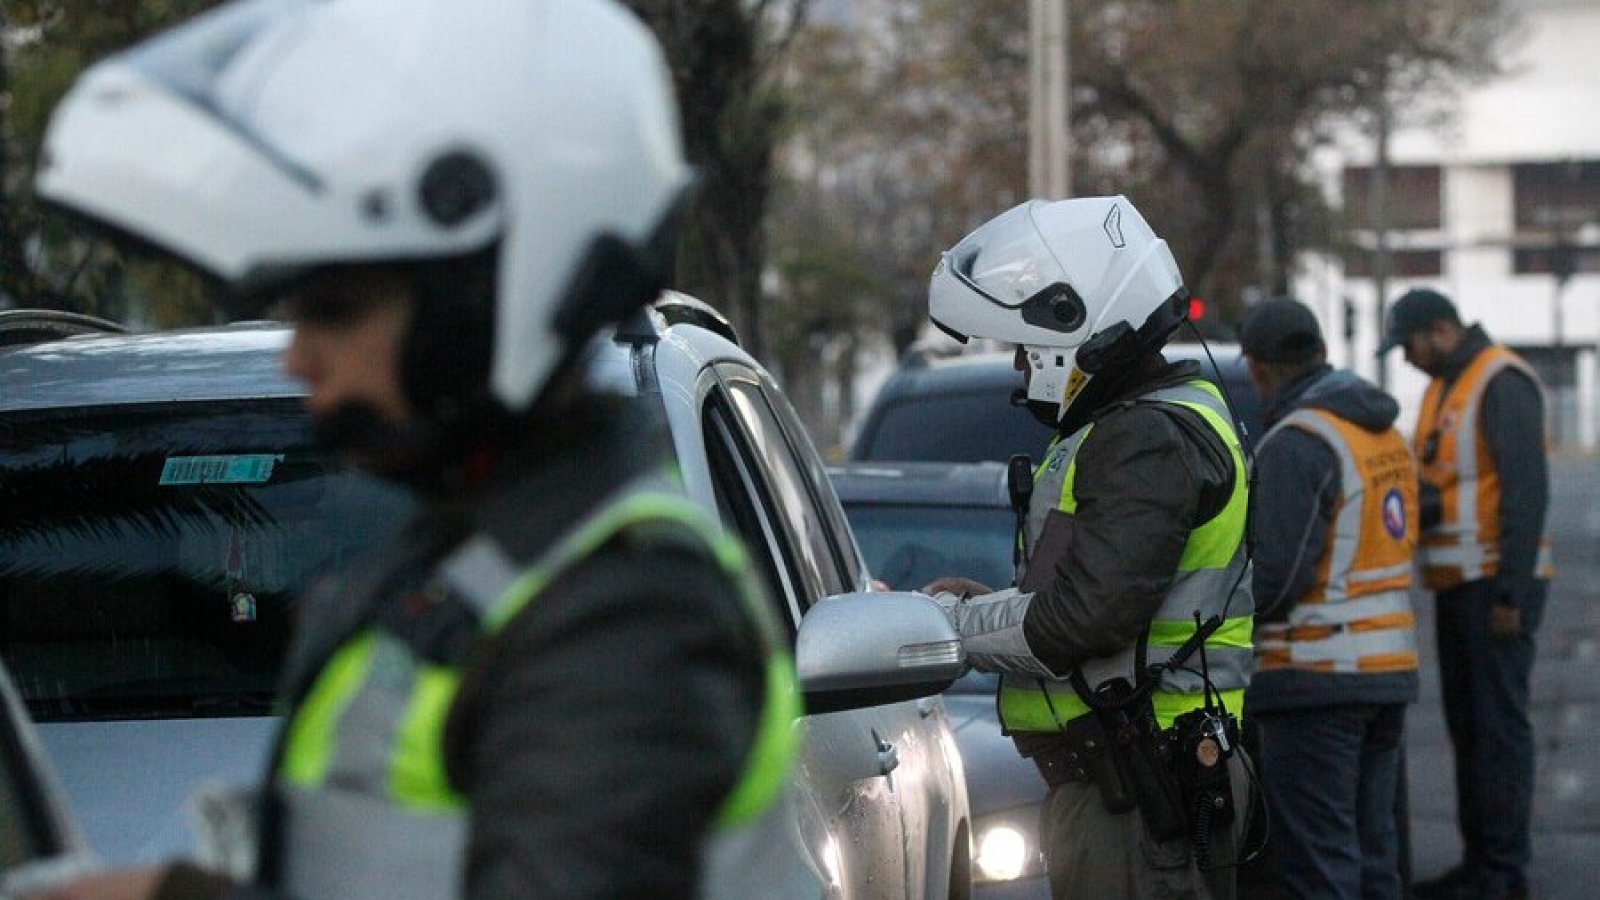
(907, 545)
(149, 556)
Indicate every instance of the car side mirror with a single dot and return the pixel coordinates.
(868, 649)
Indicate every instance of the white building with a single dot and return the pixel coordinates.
(1486, 210)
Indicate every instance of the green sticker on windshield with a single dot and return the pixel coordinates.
(253, 468)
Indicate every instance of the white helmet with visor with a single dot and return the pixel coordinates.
(269, 139)
(1083, 285)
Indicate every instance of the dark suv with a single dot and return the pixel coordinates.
(959, 409)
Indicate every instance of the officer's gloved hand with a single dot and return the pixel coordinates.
(949, 591)
(954, 584)
(949, 603)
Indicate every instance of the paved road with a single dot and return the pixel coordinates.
(1566, 713)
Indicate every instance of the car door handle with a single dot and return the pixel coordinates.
(888, 757)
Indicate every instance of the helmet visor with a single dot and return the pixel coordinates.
(191, 61)
(1008, 264)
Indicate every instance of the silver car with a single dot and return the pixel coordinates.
(916, 521)
(165, 502)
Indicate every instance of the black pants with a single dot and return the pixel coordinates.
(1485, 685)
(1330, 774)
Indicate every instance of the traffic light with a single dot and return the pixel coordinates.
(1197, 309)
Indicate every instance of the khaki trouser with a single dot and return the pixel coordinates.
(1096, 855)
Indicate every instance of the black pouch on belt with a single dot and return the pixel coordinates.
(1139, 753)
(1086, 754)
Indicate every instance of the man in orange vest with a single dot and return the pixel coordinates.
(1485, 489)
(1336, 650)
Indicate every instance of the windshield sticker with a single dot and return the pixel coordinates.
(253, 468)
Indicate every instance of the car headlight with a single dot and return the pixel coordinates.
(1007, 846)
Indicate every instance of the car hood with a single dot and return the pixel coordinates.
(119, 777)
(997, 777)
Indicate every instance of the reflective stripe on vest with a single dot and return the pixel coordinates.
(1357, 615)
(1465, 544)
(370, 812)
(1213, 567)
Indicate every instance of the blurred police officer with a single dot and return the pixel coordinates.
(554, 682)
(1134, 535)
(1336, 652)
(1485, 554)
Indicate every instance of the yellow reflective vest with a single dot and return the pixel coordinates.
(1212, 569)
(369, 812)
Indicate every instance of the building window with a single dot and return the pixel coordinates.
(1555, 197)
(1413, 197)
(1402, 263)
(1557, 206)
(1562, 260)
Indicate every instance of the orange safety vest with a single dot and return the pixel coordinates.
(1357, 615)
(1465, 544)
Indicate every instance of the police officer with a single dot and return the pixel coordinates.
(1336, 652)
(1134, 534)
(1485, 554)
(553, 683)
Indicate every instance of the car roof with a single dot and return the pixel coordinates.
(234, 362)
(229, 362)
(981, 484)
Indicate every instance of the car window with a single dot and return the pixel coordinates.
(909, 545)
(744, 505)
(794, 492)
(830, 511)
(150, 556)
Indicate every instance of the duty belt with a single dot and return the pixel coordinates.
(1065, 758)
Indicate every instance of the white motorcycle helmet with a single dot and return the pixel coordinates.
(1083, 285)
(270, 139)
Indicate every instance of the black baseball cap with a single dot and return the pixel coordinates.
(1415, 310)
(1281, 330)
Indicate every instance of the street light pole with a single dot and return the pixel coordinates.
(1378, 209)
(1049, 172)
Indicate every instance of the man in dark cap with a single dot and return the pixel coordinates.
(1485, 488)
(1336, 653)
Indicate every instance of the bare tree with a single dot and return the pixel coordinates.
(1235, 95)
(725, 57)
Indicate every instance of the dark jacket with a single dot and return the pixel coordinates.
(1511, 419)
(596, 737)
(1147, 475)
(1297, 490)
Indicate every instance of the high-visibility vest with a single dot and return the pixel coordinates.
(1357, 615)
(1465, 544)
(369, 813)
(1212, 569)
